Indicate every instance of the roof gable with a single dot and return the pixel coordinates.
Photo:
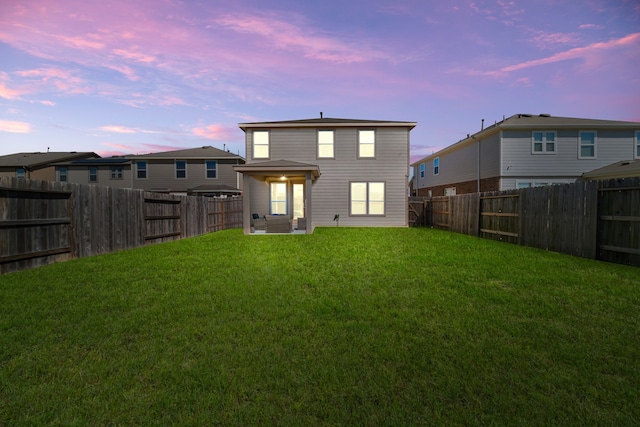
(206, 152)
(327, 122)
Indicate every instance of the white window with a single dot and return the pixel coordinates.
(543, 142)
(422, 170)
(93, 174)
(524, 184)
(367, 198)
(366, 143)
(325, 144)
(637, 145)
(116, 172)
(436, 166)
(181, 169)
(21, 173)
(212, 169)
(260, 144)
(278, 198)
(62, 174)
(141, 169)
(587, 145)
(450, 191)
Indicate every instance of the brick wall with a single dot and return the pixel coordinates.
(486, 184)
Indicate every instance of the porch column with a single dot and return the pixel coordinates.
(307, 204)
(246, 203)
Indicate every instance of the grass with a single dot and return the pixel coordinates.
(343, 327)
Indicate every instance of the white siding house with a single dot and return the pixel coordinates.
(327, 172)
(526, 150)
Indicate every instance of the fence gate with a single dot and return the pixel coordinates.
(499, 217)
(619, 221)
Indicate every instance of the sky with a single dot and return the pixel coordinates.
(135, 77)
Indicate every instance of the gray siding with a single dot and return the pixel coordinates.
(611, 146)
(80, 175)
(331, 191)
(161, 173)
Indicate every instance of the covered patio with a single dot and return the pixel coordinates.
(277, 196)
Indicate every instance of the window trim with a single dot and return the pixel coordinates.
(333, 144)
(117, 172)
(636, 146)
(95, 169)
(253, 143)
(207, 169)
(60, 174)
(178, 170)
(360, 143)
(145, 170)
(423, 169)
(436, 166)
(544, 142)
(286, 197)
(368, 200)
(595, 145)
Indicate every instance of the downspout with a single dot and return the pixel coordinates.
(481, 129)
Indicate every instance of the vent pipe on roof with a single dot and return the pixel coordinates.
(482, 127)
(320, 114)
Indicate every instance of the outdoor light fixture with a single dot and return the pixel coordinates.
(282, 178)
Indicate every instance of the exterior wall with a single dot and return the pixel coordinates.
(518, 162)
(464, 187)
(46, 174)
(80, 175)
(331, 191)
(161, 173)
(461, 166)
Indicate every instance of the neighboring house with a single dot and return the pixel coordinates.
(203, 171)
(40, 165)
(109, 171)
(325, 172)
(526, 150)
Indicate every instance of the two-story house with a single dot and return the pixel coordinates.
(526, 150)
(326, 172)
(40, 165)
(206, 171)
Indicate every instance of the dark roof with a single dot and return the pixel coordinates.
(92, 162)
(214, 189)
(36, 160)
(622, 169)
(326, 121)
(277, 167)
(206, 152)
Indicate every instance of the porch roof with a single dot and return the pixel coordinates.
(278, 167)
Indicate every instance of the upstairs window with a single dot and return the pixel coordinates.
(21, 173)
(212, 169)
(543, 142)
(181, 169)
(141, 169)
(422, 168)
(62, 174)
(325, 144)
(436, 166)
(116, 172)
(93, 174)
(637, 145)
(260, 144)
(587, 145)
(366, 144)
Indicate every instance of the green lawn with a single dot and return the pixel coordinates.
(346, 326)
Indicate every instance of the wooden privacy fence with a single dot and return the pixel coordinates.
(594, 219)
(43, 222)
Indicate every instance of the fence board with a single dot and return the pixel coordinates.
(43, 222)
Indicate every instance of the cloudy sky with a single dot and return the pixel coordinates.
(121, 77)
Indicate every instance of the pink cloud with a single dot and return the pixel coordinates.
(14, 127)
(579, 52)
(216, 132)
(8, 93)
(117, 129)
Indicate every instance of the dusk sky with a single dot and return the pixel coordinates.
(133, 77)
